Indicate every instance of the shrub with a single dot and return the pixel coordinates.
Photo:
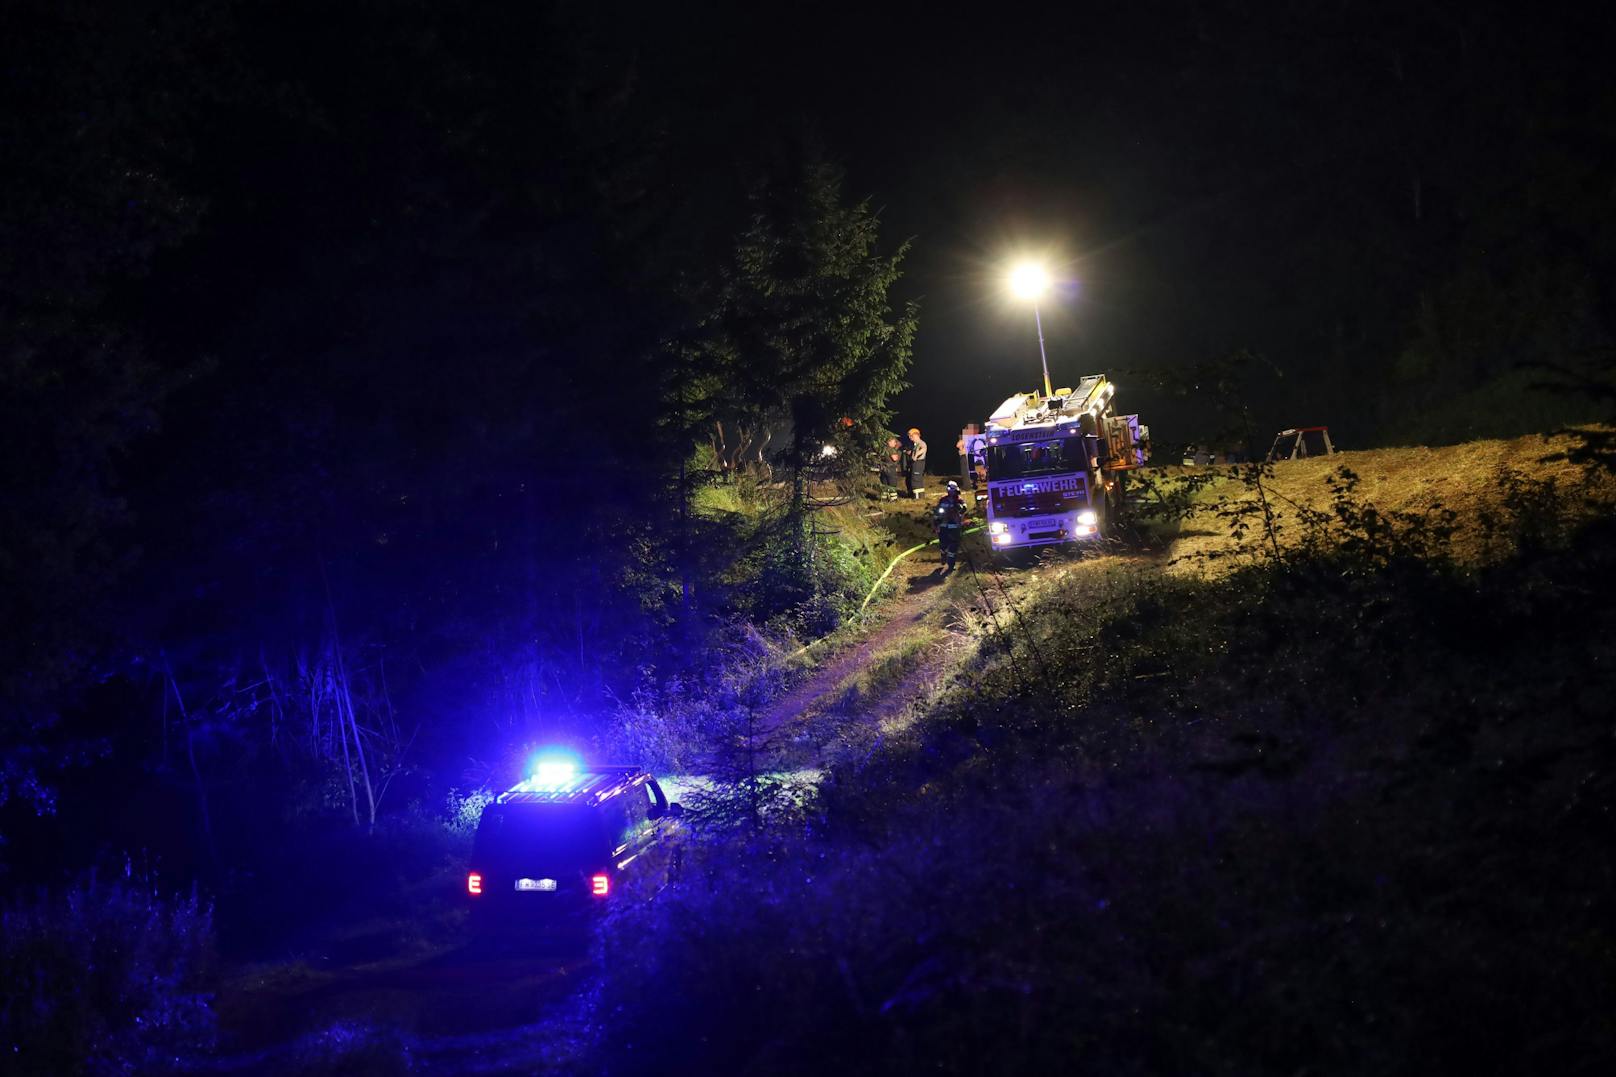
(465, 809)
(104, 977)
(675, 722)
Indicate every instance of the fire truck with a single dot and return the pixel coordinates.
(1055, 464)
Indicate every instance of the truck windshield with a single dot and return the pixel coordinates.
(1035, 458)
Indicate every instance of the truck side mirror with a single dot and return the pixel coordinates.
(675, 810)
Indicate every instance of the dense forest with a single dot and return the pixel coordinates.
(367, 371)
(392, 330)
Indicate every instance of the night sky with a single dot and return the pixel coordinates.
(1211, 177)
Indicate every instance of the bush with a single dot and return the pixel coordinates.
(675, 722)
(465, 809)
(104, 977)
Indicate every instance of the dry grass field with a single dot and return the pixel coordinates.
(1472, 480)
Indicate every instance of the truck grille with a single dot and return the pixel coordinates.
(1036, 535)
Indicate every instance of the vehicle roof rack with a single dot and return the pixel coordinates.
(590, 785)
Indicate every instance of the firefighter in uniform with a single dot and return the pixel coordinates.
(891, 463)
(950, 521)
(917, 463)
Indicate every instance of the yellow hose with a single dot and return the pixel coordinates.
(894, 564)
(877, 585)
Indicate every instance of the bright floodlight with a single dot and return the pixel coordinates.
(1029, 280)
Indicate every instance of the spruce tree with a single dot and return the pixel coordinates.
(804, 320)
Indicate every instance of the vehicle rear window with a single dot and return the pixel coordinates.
(541, 837)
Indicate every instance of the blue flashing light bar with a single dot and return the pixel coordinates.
(553, 772)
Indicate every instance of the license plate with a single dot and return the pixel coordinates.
(535, 884)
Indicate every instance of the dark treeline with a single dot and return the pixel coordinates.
(355, 360)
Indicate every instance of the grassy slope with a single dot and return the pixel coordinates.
(855, 523)
(1465, 478)
(1303, 816)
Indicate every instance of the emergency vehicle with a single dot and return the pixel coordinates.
(1054, 464)
(557, 847)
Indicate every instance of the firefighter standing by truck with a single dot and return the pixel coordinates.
(917, 463)
(891, 464)
(950, 521)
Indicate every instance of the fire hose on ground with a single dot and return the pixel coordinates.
(883, 579)
(894, 564)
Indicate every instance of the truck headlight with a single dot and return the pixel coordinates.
(1001, 538)
(998, 527)
(1088, 518)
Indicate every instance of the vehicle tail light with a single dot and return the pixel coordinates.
(600, 885)
(474, 883)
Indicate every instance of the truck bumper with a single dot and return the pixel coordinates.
(1014, 540)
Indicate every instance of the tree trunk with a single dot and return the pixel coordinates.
(345, 720)
(190, 755)
(347, 760)
(346, 700)
(799, 478)
(686, 585)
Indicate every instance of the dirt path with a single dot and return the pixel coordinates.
(921, 592)
(877, 679)
(459, 1010)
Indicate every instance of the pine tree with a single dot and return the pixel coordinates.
(804, 322)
